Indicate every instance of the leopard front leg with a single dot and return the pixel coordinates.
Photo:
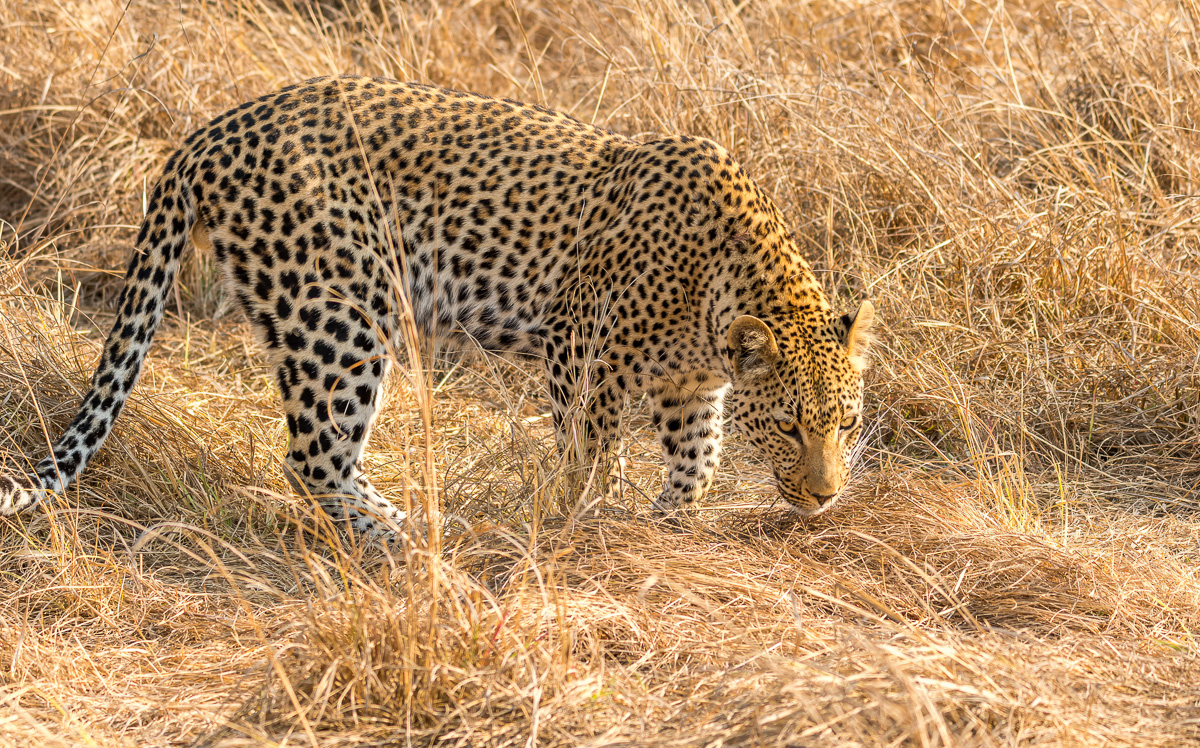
(588, 427)
(688, 419)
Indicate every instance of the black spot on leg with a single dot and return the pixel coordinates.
(295, 340)
(325, 351)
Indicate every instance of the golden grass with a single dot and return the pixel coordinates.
(1013, 185)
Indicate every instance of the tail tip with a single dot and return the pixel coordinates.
(20, 492)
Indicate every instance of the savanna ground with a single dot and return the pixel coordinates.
(1014, 184)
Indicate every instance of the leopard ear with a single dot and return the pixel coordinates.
(751, 345)
(855, 332)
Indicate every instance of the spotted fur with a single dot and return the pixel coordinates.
(625, 267)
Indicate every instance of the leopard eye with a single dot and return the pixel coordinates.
(849, 422)
(791, 428)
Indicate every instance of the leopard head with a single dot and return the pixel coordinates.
(799, 397)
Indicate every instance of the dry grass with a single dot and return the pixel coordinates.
(1014, 185)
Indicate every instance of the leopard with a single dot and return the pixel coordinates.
(338, 208)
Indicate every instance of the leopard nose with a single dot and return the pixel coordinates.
(824, 499)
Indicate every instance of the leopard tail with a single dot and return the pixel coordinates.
(148, 281)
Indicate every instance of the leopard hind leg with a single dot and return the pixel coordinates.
(330, 412)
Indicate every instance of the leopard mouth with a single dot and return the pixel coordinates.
(806, 504)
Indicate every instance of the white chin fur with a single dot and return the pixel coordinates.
(809, 513)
